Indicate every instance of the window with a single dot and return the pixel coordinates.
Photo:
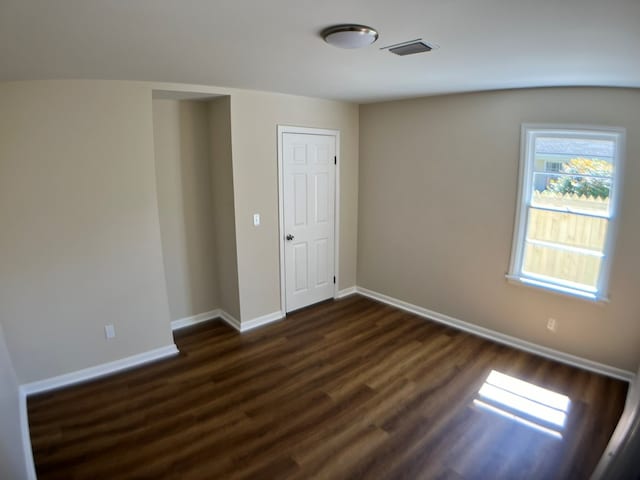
(568, 193)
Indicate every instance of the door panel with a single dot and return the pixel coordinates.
(300, 261)
(300, 200)
(322, 202)
(322, 271)
(309, 213)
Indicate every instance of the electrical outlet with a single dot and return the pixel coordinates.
(256, 219)
(552, 324)
(109, 332)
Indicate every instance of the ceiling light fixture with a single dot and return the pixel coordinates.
(349, 36)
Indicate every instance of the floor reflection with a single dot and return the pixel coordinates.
(523, 402)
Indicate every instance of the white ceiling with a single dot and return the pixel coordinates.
(274, 45)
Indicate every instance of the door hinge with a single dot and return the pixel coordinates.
(334, 279)
(335, 159)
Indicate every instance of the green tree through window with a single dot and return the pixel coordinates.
(597, 184)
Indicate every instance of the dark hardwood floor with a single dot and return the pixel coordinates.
(345, 389)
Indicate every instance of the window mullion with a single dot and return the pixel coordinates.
(570, 212)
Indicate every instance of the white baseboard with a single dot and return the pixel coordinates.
(230, 320)
(501, 337)
(263, 320)
(92, 373)
(345, 292)
(30, 467)
(195, 319)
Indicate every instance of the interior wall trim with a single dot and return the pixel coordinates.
(498, 337)
(345, 292)
(98, 371)
(26, 436)
(262, 320)
(195, 319)
(230, 320)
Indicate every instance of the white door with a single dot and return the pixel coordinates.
(308, 178)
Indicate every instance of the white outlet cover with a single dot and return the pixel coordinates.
(109, 332)
(256, 219)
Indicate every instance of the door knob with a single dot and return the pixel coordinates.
(290, 237)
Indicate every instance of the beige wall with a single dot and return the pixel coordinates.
(223, 205)
(182, 149)
(80, 243)
(12, 456)
(436, 212)
(254, 119)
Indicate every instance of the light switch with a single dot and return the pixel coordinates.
(256, 219)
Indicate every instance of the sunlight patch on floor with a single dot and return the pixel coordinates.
(524, 402)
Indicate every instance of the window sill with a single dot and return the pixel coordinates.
(558, 290)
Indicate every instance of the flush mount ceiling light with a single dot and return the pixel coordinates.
(349, 36)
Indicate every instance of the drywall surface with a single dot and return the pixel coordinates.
(12, 456)
(80, 244)
(182, 140)
(223, 205)
(254, 120)
(437, 199)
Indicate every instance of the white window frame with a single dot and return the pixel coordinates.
(529, 132)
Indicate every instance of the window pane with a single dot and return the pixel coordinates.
(574, 174)
(561, 192)
(551, 150)
(576, 269)
(567, 229)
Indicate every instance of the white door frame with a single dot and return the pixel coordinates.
(282, 129)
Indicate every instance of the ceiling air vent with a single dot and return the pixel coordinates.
(410, 48)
